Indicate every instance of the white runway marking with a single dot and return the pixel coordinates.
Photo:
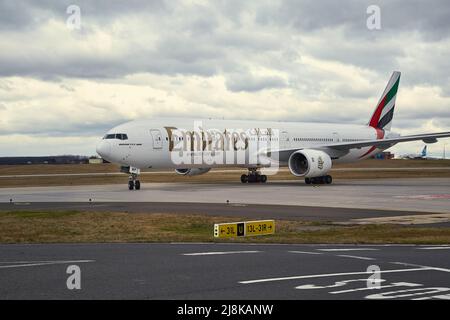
(304, 252)
(395, 284)
(335, 285)
(434, 248)
(348, 249)
(441, 297)
(217, 253)
(355, 257)
(418, 265)
(45, 261)
(20, 264)
(409, 293)
(425, 196)
(331, 275)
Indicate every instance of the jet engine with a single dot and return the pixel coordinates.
(309, 163)
(192, 172)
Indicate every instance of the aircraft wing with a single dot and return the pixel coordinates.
(343, 147)
(427, 138)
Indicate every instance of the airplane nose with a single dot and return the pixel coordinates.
(103, 149)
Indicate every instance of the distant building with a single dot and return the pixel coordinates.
(386, 155)
(95, 160)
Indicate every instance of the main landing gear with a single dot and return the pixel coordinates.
(253, 176)
(319, 180)
(133, 182)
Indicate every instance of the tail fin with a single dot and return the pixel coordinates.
(424, 151)
(384, 112)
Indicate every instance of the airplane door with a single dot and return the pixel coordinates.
(284, 140)
(157, 138)
(336, 137)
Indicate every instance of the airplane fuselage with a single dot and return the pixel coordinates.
(147, 144)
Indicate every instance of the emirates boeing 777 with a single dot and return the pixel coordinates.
(192, 147)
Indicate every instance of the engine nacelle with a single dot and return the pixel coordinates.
(192, 172)
(309, 163)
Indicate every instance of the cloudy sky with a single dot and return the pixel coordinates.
(62, 88)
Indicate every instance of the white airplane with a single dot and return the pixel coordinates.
(422, 155)
(308, 149)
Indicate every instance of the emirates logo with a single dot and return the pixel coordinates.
(320, 163)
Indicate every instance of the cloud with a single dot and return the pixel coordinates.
(250, 83)
(396, 16)
(27, 14)
(25, 145)
(270, 60)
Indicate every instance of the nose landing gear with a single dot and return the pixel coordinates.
(133, 181)
(253, 176)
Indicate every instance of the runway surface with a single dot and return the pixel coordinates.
(224, 271)
(414, 195)
(250, 211)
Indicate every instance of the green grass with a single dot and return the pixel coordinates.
(84, 227)
(38, 214)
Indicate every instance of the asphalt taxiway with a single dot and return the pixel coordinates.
(225, 271)
(247, 211)
(413, 195)
(233, 271)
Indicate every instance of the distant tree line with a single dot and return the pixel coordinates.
(64, 159)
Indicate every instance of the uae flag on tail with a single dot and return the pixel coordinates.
(384, 112)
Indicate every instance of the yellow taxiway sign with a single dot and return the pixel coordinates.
(244, 229)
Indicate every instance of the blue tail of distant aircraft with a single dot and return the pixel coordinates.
(424, 151)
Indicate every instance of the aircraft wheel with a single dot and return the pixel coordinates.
(307, 180)
(244, 178)
(130, 185)
(328, 179)
(137, 185)
(263, 178)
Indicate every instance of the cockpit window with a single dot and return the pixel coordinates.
(109, 136)
(120, 136)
